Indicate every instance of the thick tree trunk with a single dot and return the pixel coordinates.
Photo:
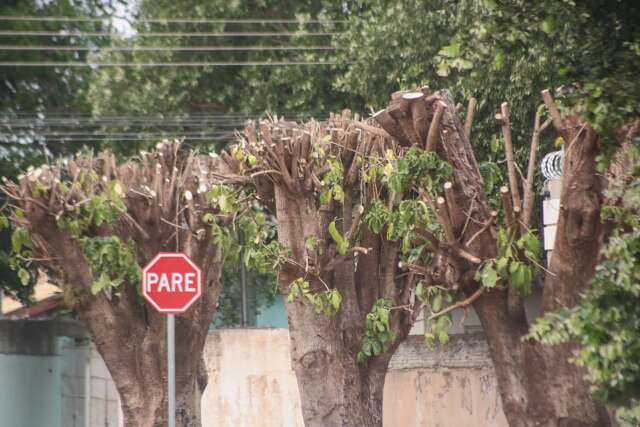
(136, 357)
(335, 390)
(539, 386)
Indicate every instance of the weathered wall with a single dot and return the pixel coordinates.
(251, 383)
(448, 386)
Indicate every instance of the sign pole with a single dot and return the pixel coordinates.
(171, 283)
(171, 368)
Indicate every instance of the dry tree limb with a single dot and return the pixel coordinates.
(445, 220)
(508, 151)
(471, 110)
(460, 304)
(485, 227)
(400, 112)
(419, 114)
(430, 99)
(388, 123)
(374, 130)
(507, 206)
(558, 123)
(455, 212)
(527, 204)
(434, 128)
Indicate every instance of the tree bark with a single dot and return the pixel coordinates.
(335, 390)
(538, 384)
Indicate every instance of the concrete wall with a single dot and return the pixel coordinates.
(29, 374)
(47, 368)
(251, 383)
(448, 386)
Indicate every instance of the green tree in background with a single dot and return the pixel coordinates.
(42, 91)
(248, 89)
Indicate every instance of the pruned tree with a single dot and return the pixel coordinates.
(341, 276)
(380, 219)
(490, 256)
(92, 224)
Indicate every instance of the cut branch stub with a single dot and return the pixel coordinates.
(505, 123)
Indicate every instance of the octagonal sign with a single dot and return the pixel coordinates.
(171, 282)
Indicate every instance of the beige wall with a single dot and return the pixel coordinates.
(251, 383)
(448, 386)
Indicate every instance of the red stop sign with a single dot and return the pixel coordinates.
(171, 282)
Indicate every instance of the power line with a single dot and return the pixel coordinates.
(162, 64)
(63, 33)
(94, 139)
(108, 134)
(162, 48)
(170, 20)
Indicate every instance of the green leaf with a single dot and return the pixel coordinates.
(4, 222)
(436, 304)
(501, 266)
(335, 298)
(24, 276)
(443, 69)
(488, 275)
(343, 245)
(100, 284)
(311, 243)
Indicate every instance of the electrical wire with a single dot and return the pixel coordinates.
(64, 33)
(169, 20)
(163, 64)
(164, 48)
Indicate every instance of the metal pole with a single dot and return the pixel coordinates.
(245, 304)
(171, 368)
(244, 307)
(87, 387)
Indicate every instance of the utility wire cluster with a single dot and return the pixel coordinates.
(108, 42)
(26, 129)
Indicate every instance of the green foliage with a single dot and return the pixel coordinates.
(596, 60)
(19, 259)
(113, 263)
(508, 266)
(436, 298)
(332, 180)
(262, 251)
(223, 197)
(378, 335)
(605, 325)
(378, 216)
(247, 89)
(419, 168)
(341, 242)
(327, 302)
(102, 209)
